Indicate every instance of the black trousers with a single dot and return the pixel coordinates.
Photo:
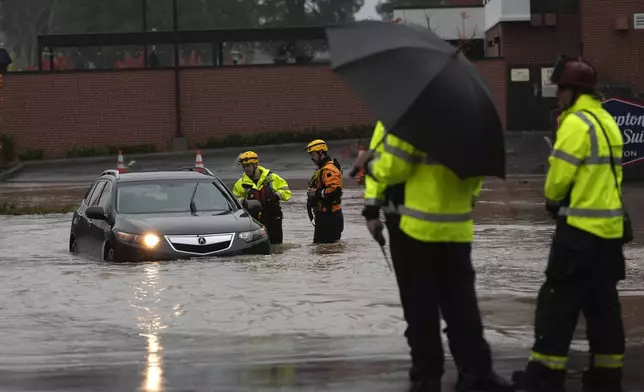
(581, 277)
(437, 279)
(274, 229)
(328, 227)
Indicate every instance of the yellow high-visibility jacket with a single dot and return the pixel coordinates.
(245, 185)
(437, 203)
(580, 170)
(374, 193)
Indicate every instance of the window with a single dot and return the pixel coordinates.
(89, 193)
(104, 200)
(96, 193)
(171, 197)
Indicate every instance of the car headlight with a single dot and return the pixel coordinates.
(250, 236)
(148, 240)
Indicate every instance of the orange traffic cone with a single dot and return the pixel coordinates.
(199, 163)
(120, 163)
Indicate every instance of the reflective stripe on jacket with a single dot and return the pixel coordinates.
(437, 203)
(374, 193)
(580, 170)
(245, 185)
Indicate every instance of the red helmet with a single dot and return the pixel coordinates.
(571, 72)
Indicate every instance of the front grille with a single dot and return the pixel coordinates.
(201, 249)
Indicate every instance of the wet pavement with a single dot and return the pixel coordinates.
(291, 159)
(309, 317)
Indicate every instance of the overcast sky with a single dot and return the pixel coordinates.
(369, 10)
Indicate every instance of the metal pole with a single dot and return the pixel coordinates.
(144, 14)
(177, 79)
(40, 53)
(144, 25)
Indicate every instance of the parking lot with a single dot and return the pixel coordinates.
(308, 317)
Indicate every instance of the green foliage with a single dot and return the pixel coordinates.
(23, 20)
(32, 155)
(94, 151)
(10, 208)
(282, 137)
(307, 12)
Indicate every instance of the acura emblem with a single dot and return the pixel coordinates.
(202, 241)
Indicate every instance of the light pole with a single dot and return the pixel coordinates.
(177, 79)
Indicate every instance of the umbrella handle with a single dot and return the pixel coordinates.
(354, 172)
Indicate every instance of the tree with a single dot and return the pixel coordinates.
(307, 12)
(303, 13)
(23, 20)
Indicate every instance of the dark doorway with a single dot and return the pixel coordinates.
(530, 102)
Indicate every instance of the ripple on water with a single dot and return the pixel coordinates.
(59, 309)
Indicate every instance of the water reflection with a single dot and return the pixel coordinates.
(150, 325)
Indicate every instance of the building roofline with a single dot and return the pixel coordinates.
(438, 6)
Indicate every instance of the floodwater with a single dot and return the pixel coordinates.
(309, 317)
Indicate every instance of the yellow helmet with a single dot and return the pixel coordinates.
(248, 157)
(317, 145)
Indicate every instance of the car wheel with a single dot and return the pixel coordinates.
(109, 254)
(73, 245)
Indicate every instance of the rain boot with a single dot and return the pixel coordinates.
(490, 382)
(538, 378)
(425, 385)
(601, 380)
(423, 381)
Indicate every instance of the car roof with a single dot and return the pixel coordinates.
(161, 176)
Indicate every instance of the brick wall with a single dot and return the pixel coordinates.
(220, 101)
(495, 72)
(522, 43)
(57, 111)
(618, 55)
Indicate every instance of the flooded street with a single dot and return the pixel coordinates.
(309, 317)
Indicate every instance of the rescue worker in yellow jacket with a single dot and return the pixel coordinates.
(325, 197)
(374, 193)
(261, 184)
(428, 214)
(583, 193)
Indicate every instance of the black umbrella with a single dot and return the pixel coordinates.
(424, 91)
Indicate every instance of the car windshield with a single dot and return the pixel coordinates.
(170, 196)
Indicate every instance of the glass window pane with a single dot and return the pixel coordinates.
(170, 196)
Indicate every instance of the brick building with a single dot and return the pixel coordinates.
(610, 34)
(529, 34)
(54, 112)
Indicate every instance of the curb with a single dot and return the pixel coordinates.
(12, 171)
(109, 158)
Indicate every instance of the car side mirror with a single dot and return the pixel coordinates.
(252, 206)
(96, 212)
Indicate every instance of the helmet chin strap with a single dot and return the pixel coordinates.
(575, 96)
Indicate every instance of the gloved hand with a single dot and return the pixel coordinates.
(363, 158)
(376, 227)
(552, 209)
(313, 195)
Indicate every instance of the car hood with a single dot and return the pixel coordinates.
(185, 223)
